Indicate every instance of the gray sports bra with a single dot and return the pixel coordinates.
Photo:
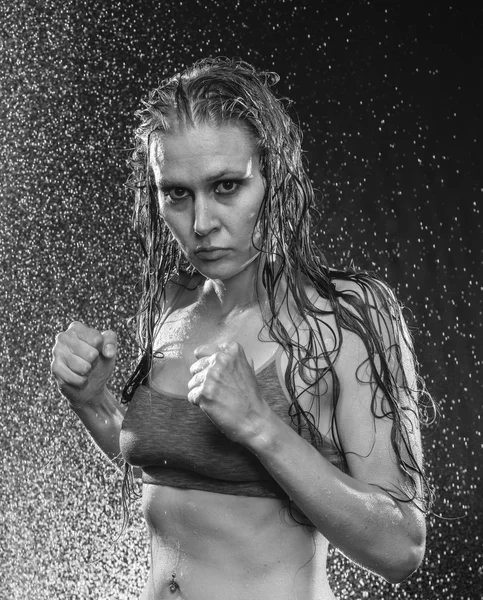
(177, 445)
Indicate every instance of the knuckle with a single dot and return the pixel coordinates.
(216, 372)
(83, 381)
(231, 346)
(61, 338)
(96, 340)
(84, 369)
(91, 355)
(222, 358)
(209, 388)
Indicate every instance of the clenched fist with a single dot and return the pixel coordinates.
(83, 361)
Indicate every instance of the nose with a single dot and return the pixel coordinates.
(205, 217)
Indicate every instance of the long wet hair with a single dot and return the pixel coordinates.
(225, 91)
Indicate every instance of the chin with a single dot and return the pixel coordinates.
(224, 272)
(216, 274)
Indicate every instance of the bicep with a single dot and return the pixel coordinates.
(379, 435)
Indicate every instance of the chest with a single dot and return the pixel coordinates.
(186, 329)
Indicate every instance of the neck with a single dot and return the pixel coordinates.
(242, 290)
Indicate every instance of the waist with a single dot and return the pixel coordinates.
(224, 546)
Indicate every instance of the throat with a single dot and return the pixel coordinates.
(240, 290)
(224, 300)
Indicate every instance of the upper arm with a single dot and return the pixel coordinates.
(376, 412)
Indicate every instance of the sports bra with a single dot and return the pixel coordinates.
(177, 445)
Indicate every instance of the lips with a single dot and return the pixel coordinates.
(210, 252)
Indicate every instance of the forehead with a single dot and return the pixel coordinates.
(200, 149)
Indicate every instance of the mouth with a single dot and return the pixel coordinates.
(210, 252)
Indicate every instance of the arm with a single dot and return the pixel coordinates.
(351, 509)
(103, 417)
(83, 361)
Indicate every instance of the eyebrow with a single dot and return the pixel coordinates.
(233, 173)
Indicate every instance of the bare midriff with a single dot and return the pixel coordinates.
(207, 546)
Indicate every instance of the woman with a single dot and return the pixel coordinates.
(276, 405)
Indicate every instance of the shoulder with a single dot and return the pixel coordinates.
(367, 322)
(346, 286)
(360, 294)
(363, 303)
(364, 289)
(375, 333)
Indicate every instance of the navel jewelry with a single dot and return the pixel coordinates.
(173, 586)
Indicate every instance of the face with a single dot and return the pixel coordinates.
(209, 191)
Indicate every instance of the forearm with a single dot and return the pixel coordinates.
(103, 417)
(359, 519)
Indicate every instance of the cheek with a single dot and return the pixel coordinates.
(255, 227)
(171, 222)
(170, 217)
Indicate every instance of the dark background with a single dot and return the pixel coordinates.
(389, 96)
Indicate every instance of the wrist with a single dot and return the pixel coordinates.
(265, 435)
(97, 403)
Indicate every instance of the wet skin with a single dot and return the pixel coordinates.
(223, 546)
(210, 190)
(244, 548)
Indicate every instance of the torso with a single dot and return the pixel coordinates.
(223, 546)
(232, 547)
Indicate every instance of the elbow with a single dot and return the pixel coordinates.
(406, 566)
(405, 560)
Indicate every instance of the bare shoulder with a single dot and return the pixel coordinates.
(366, 288)
(376, 344)
(361, 295)
(365, 322)
(373, 303)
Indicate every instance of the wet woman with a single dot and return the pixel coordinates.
(275, 407)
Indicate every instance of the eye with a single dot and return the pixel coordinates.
(227, 188)
(176, 193)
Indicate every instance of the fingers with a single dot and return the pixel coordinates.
(198, 379)
(66, 376)
(211, 354)
(194, 398)
(202, 363)
(206, 350)
(89, 343)
(229, 347)
(77, 350)
(90, 336)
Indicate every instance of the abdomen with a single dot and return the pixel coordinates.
(221, 546)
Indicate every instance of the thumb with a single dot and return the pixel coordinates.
(109, 346)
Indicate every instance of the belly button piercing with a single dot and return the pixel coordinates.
(173, 586)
